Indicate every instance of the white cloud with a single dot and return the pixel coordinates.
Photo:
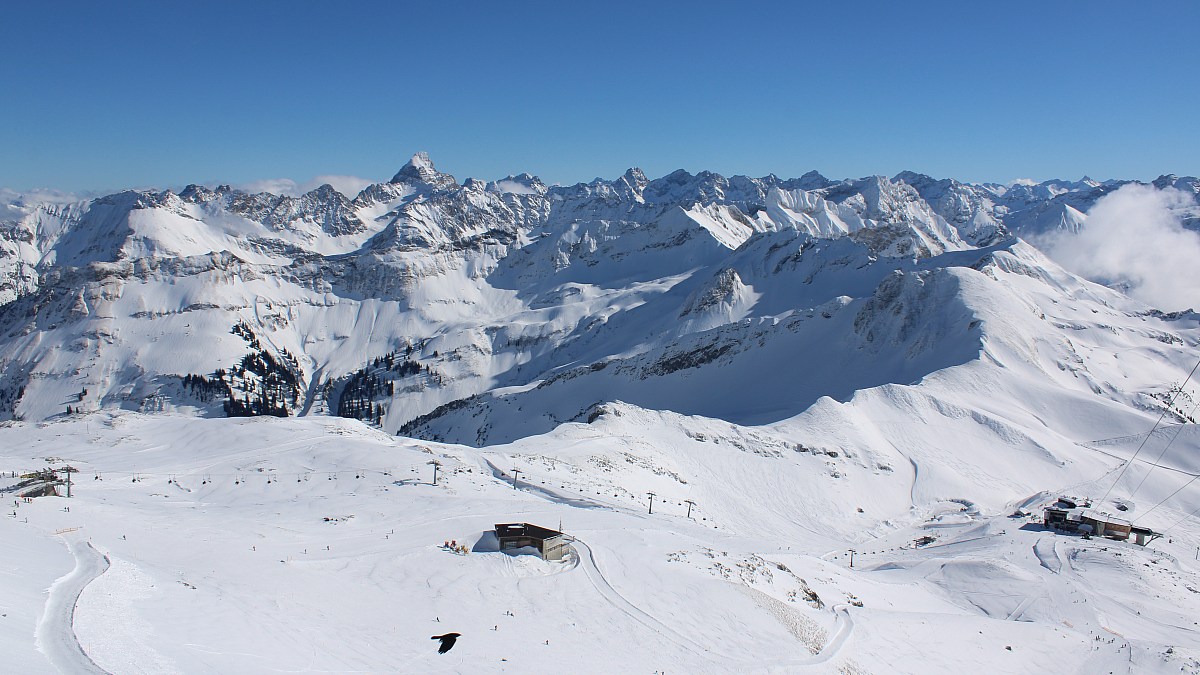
(276, 186)
(8, 195)
(1133, 239)
(347, 185)
(16, 204)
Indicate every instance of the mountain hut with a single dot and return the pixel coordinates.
(550, 544)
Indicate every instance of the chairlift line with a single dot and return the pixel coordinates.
(1145, 438)
(1178, 430)
(1181, 487)
(208, 477)
(1177, 523)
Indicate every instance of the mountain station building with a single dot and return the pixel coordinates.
(550, 544)
(1070, 515)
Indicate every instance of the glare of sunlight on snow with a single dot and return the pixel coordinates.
(1134, 240)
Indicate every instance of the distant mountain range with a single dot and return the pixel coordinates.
(485, 311)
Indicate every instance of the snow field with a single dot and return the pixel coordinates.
(215, 569)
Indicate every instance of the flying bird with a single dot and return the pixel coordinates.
(447, 641)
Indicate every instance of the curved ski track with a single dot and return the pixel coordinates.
(55, 631)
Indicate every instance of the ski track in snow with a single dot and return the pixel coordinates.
(1047, 553)
(912, 491)
(986, 572)
(587, 561)
(822, 652)
(829, 650)
(1015, 615)
(108, 622)
(547, 493)
(260, 456)
(55, 632)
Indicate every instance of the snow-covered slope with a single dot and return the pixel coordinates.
(483, 284)
(815, 364)
(238, 546)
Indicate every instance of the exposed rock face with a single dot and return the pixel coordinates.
(510, 293)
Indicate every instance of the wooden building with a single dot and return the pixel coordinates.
(550, 544)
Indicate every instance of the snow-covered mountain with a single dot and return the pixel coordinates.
(484, 286)
(482, 312)
(815, 365)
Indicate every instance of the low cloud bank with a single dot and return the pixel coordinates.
(347, 185)
(1134, 240)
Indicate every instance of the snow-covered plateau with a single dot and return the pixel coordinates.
(787, 425)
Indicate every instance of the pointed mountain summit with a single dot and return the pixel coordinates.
(420, 169)
(520, 279)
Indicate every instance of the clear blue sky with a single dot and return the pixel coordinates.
(104, 95)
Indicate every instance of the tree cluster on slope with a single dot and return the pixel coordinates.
(9, 399)
(358, 396)
(260, 384)
(376, 381)
(208, 389)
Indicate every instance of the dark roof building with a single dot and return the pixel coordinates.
(1090, 521)
(550, 544)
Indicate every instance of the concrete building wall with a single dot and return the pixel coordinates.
(554, 548)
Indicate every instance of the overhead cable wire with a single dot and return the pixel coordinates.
(1178, 522)
(1178, 430)
(1151, 432)
(1193, 480)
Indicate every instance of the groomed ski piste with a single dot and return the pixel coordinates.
(269, 545)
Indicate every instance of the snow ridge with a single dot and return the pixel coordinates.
(789, 373)
(496, 285)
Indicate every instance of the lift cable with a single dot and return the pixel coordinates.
(1180, 521)
(1151, 433)
(1178, 430)
(1193, 480)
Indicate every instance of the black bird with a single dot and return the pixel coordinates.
(447, 641)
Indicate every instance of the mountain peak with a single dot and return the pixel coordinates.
(420, 160)
(324, 190)
(420, 169)
(635, 176)
(913, 178)
(813, 180)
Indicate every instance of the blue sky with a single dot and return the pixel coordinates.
(100, 96)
